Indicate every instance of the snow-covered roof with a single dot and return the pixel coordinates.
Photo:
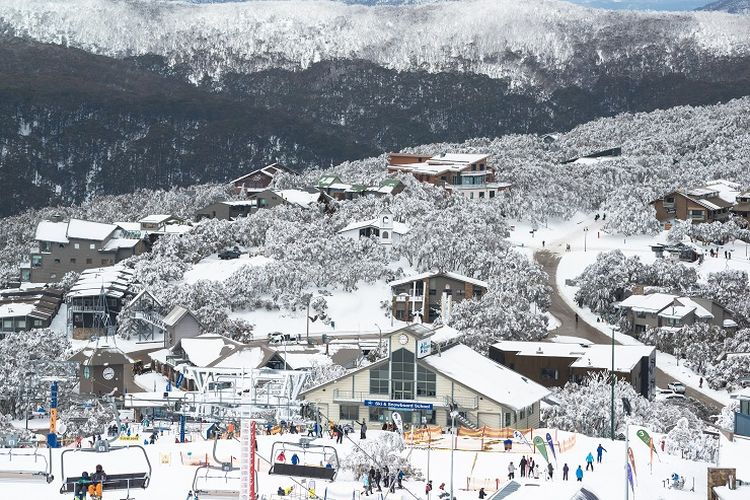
(133, 227)
(115, 281)
(88, 230)
(444, 333)
(115, 243)
(583, 355)
(52, 231)
(205, 349)
(240, 203)
(398, 227)
(160, 355)
(268, 170)
(304, 360)
(729, 323)
(486, 377)
(243, 357)
(299, 197)
(652, 303)
(16, 310)
(431, 274)
(155, 219)
(676, 312)
(93, 355)
(175, 315)
(174, 229)
(459, 158)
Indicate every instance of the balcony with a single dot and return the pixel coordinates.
(464, 403)
(404, 297)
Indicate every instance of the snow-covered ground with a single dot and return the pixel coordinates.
(214, 269)
(358, 311)
(172, 475)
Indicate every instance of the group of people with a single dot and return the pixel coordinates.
(390, 479)
(91, 484)
(528, 468)
(442, 494)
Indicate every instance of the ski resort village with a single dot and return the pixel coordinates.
(393, 249)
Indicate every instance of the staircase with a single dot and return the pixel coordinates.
(506, 491)
(465, 422)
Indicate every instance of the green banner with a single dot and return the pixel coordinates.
(644, 436)
(541, 446)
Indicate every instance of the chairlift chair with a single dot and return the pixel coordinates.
(122, 481)
(220, 472)
(17, 457)
(315, 461)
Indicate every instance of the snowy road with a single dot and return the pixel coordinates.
(581, 329)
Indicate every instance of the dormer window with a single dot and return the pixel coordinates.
(385, 235)
(386, 220)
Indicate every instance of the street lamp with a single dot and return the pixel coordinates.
(614, 379)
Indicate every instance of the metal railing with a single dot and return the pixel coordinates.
(463, 402)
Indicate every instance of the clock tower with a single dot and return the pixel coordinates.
(104, 369)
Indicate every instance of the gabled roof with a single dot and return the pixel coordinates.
(114, 281)
(304, 199)
(486, 377)
(101, 355)
(52, 231)
(431, 274)
(327, 180)
(88, 230)
(157, 218)
(207, 348)
(652, 303)
(269, 171)
(177, 314)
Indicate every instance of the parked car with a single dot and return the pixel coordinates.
(677, 387)
(668, 395)
(230, 253)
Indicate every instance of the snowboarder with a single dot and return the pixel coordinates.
(482, 494)
(579, 474)
(511, 471)
(565, 472)
(81, 486)
(362, 429)
(97, 480)
(590, 462)
(550, 470)
(522, 466)
(599, 450)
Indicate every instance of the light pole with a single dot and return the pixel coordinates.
(380, 338)
(454, 414)
(585, 234)
(614, 379)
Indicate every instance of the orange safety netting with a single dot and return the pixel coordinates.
(423, 434)
(490, 432)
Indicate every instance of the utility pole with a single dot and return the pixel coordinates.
(585, 234)
(454, 413)
(307, 318)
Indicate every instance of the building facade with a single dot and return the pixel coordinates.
(663, 310)
(704, 204)
(95, 300)
(383, 228)
(75, 245)
(423, 383)
(429, 295)
(258, 180)
(555, 364)
(27, 308)
(104, 370)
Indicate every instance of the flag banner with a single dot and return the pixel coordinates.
(517, 435)
(630, 479)
(539, 442)
(644, 436)
(631, 459)
(651, 452)
(551, 446)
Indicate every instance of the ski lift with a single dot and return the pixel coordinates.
(121, 481)
(313, 461)
(217, 481)
(24, 460)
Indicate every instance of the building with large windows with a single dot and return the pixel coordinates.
(422, 380)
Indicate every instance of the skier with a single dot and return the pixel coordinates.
(400, 478)
(565, 472)
(590, 462)
(522, 466)
(579, 474)
(482, 494)
(599, 450)
(428, 488)
(366, 484)
(362, 429)
(550, 470)
(511, 471)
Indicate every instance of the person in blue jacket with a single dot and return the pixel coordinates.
(579, 474)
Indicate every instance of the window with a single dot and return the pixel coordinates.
(481, 195)
(402, 374)
(45, 246)
(92, 246)
(378, 414)
(349, 412)
(105, 262)
(76, 246)
(36, 261)
(25, 275)
(477, 293)
(7, 324)
(38, 323)
(549, 374)
(492, 194)
(385, 235)
(57, 261)
(21, 323)
(89, 261)
(471, 195)
(522, 413)
(379, 380)
(697, 214)
(426, 382)
(73, 260)
(507, 419)
(433, 291)
(640, 314)
(399, 314)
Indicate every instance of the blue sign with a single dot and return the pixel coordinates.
(398, 405)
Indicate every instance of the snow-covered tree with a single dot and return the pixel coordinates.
(380, 450)
(322, 372)
(87, 419)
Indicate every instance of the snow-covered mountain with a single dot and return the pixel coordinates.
(731, 6)
(531, 42)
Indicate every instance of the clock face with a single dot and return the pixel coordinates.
(108, 373)
(403, 339)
